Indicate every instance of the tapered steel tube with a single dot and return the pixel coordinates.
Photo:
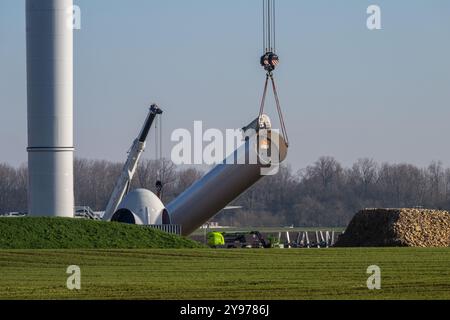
(50, 107)
(224, 183)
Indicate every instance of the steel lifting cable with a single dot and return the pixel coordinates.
(161, 138)
(269, 76)
(158, 139)
(280, 113)
(274, 26)
(269, 25)
(264, 26)
(270, 60)
(263, 100)
(159, 158)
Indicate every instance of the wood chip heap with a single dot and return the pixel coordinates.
(397, 228)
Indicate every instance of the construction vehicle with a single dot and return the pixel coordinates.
(129, 169)
(252, 239)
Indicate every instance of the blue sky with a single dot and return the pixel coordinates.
(347, 92)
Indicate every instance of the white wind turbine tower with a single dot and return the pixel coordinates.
(50, 107)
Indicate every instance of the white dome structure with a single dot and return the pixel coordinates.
(141, 207)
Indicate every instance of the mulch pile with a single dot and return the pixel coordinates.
(397, 228)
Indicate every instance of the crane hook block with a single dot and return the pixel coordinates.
(270, 61)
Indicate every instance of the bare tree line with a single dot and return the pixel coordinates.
(95, 180)
(324, 194)
(13, 188)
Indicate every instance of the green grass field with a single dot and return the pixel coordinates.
(226, 274)
(59, 233)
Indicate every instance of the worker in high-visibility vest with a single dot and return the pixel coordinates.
(215, 239)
